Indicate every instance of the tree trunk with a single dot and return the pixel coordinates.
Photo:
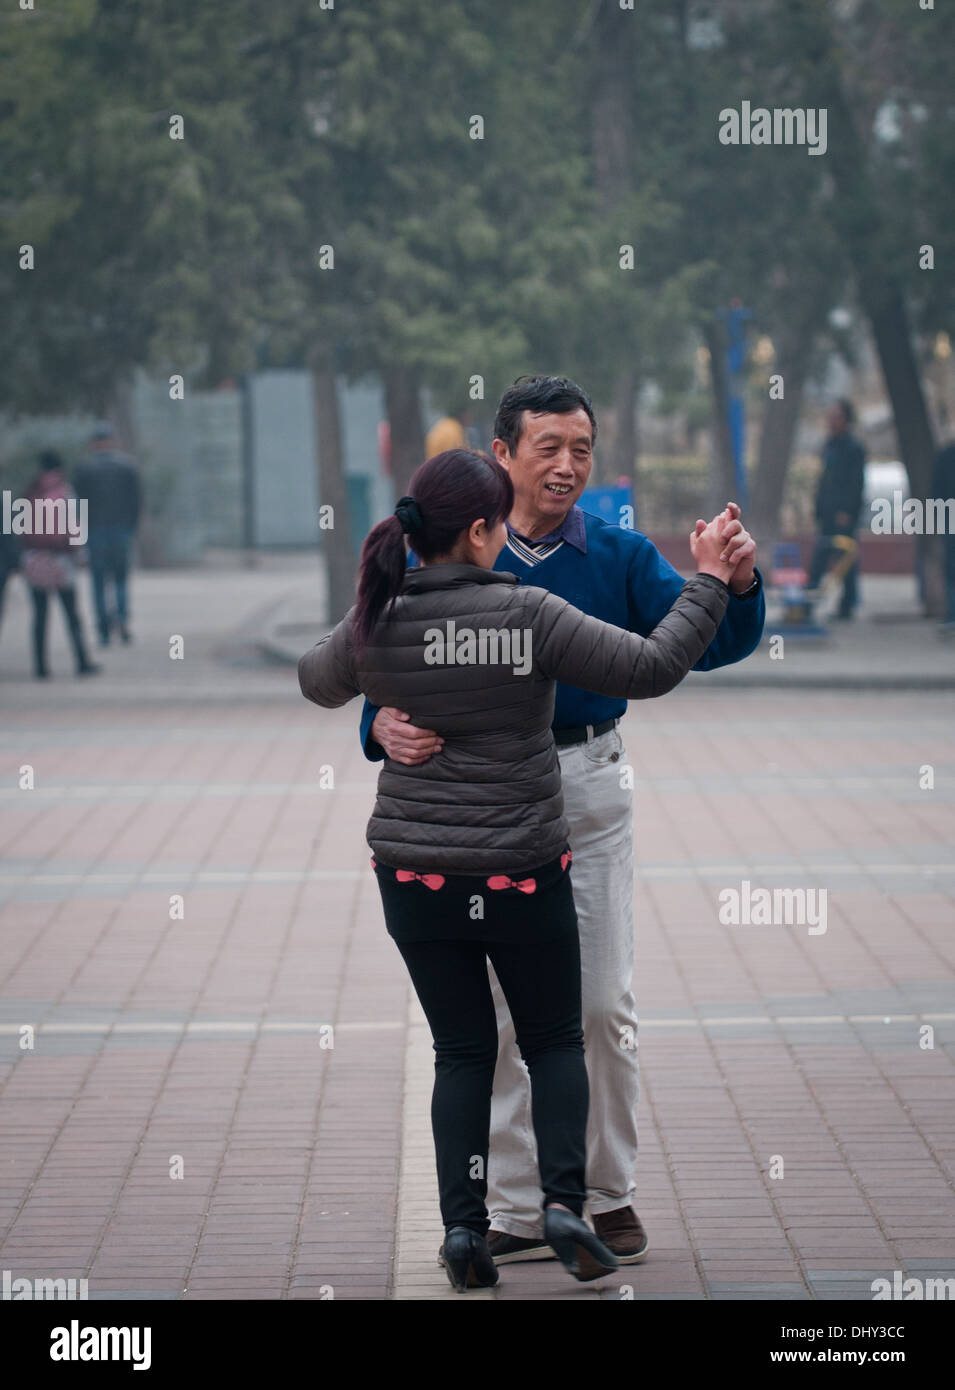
(856, 213)
(888, 315)
(612, 144)
(722, 479)
(883, 305)
(332, 485)
(623, 459)
(121, 414)
(403, 404)
(794, 342)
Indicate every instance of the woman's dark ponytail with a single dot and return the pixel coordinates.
(383, 561)
(445, 497)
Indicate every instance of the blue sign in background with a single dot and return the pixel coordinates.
(606, 503)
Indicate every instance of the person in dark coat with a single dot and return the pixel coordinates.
(839, 501)
(107, 480)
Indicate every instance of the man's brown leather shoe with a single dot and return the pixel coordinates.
(622, 1232)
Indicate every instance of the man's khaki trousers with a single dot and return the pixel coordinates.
(600, 813)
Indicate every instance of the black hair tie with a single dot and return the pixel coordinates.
(409, 514)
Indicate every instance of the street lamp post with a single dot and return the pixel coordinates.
(736, 317)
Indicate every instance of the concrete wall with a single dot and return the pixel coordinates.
(286, 501)
(283, 431)
(190, 456)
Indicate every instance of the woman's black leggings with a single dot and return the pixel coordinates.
(541, 982)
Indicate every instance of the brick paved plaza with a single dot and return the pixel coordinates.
(198, 1036)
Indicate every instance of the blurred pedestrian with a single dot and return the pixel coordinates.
(943, 485)
(450, 432)
(109, 483)
(49, 567)
(839, 502)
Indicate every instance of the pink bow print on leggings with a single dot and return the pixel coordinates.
(432, 881)
(526, 885)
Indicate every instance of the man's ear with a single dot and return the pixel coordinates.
(500, 452)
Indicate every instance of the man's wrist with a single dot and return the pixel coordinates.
(751, 590)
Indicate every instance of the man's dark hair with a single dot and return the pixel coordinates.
(50, 460)
(848, 410)
(541, 395)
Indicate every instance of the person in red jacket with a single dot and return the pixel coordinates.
(49, 568)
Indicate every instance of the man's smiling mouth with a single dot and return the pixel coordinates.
(558, 489)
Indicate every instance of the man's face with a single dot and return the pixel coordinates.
(551, 465)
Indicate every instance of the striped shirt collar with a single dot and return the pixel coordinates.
(572, 529)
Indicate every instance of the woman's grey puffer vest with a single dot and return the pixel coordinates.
(490, 801)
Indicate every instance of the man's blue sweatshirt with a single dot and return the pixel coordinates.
(624, 580)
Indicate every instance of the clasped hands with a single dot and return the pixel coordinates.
(725, 548)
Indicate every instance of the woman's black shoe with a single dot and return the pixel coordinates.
(467, 1259)
(582, 1253)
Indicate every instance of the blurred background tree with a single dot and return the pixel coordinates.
(444, 196)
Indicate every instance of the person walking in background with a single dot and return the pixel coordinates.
(49, 568)
(482, 821)
(943, 485)
(109, 483)
(839, 501)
